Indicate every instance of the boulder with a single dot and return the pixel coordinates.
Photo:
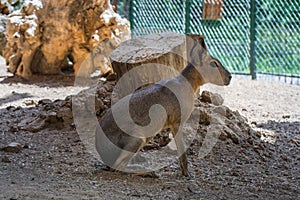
(210, 97)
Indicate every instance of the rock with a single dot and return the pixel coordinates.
(3, 40)
(7, 6)
(286, 116)
(99, 105)
(44, 101)
(194, 191)
(223, 136)
(30, 103)
(13, 147)
(51, 117)
(111, 77)
(206, 96)
(34, 124)
(221, 110)
(66, 115)
(233, 136)
(204, 117)
(5, 159)
(45, 36)
(209, 97)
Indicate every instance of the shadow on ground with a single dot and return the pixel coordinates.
(42, 80)
(282, 127)
(14, 97)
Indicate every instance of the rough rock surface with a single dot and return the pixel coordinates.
(44, 36)
(3, 19)
(58, 115)
(213, 98)
(5, 9)
(6, 6)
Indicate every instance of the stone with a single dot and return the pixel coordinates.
(51, 117)
(5, 159)
(221, 110)
(13, 147)
(223, 136)
(212, 98)
(111, 77)
(204, 117)
(3, 40)
(45, 101)
(233, 136)
(65, 114)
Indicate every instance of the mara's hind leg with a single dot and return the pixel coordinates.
(177, 134)
(125, 156)
(122, 160)
(130, 148)
(116, 148)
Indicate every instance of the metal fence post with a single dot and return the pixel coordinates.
(252, 63)
(131, 16)
(187, 19)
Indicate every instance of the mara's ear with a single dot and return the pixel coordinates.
(195, 48)
(199, 39)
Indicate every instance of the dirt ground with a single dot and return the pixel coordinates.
(54, 164)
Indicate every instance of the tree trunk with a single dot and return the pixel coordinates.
(44, 36)
(155, 51)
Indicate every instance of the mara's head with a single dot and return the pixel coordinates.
(210, 69)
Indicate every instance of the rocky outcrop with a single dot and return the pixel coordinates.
(6, 7)
(96, 100)
(46, 36)
(3, 19)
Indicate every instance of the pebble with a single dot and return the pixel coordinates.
(223, 136)
(30, 103)
(194, 191)
(13, 147)
(6, 159)
(44, 101)
(111, 77)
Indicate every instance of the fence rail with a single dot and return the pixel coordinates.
(251, 36)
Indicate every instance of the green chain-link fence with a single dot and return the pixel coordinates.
(252, 36)
(278, 36)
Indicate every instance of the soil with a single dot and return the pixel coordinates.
(258, 159)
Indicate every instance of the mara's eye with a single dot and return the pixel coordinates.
(213, 64)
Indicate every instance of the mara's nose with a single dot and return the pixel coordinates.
(230, 77)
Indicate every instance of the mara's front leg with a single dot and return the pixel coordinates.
(178, 136)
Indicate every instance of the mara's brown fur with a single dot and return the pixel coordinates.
(117, 147)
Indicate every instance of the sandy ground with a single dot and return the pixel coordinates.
(16, 91)
(53, 164)
(262, 100)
